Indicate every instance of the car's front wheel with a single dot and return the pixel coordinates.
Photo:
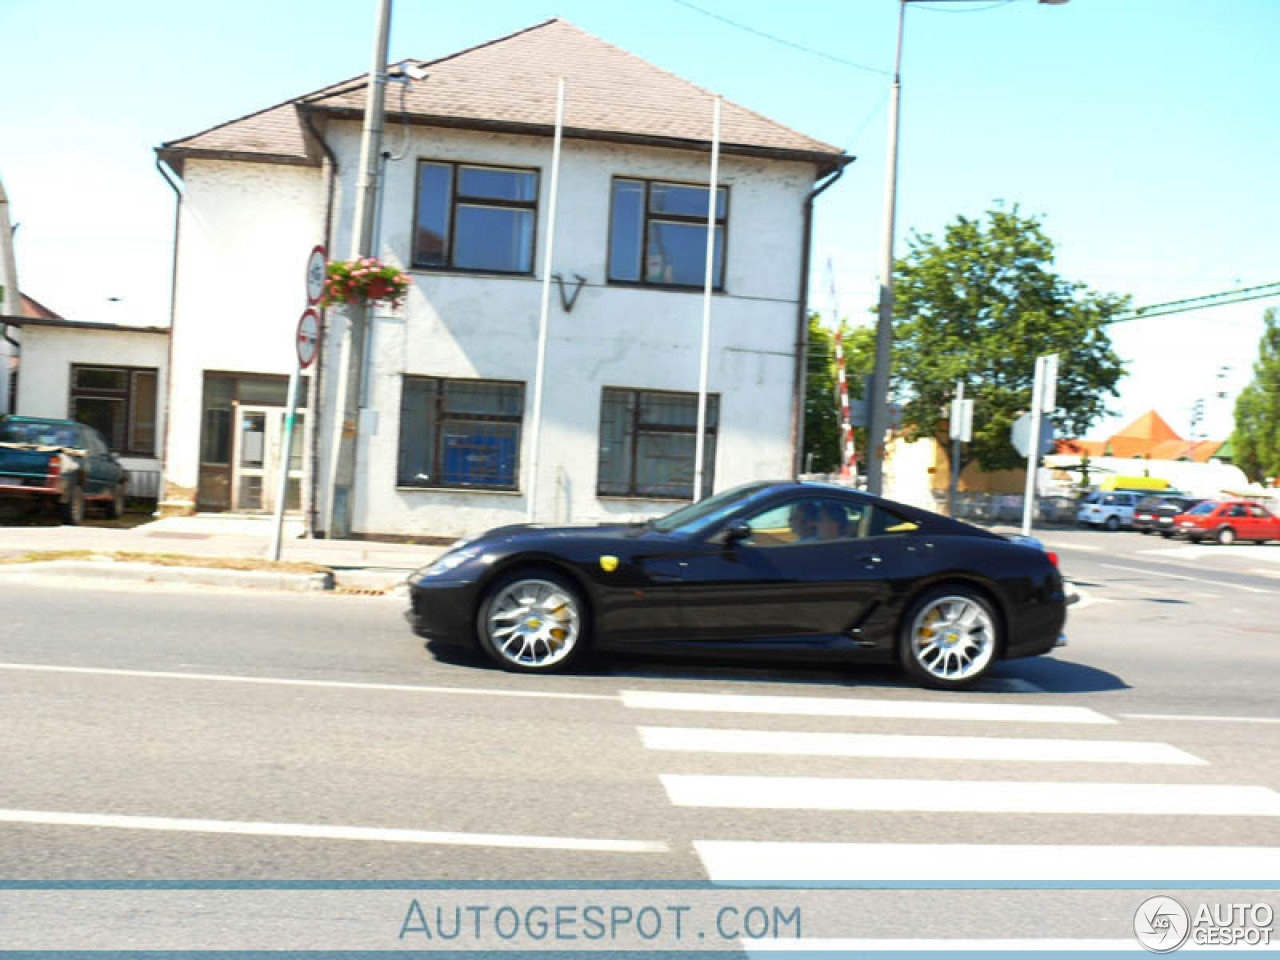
(1226, 536)
(533, 621)
(950, 638)
(1113, 523)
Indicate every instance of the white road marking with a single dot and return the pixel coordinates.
(1076, 546)
(1161, 574)
(1197, 719)
(968, 796)
(889, 863)
(313, 831)
(772, 742)
(1087, 600)
(283, 681)
(1199, 552)
(854, 707)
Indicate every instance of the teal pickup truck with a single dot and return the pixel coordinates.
(60, 461)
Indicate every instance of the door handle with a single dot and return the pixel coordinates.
(869, 558)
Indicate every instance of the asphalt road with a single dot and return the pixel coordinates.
(167, 733)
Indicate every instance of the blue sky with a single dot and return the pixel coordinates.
(1146, 133)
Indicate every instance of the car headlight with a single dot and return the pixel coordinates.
(447, 561)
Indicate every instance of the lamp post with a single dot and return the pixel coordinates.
(878, 424)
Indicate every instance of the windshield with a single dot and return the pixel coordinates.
(44, 434)
(700, 515)
(1202, 508)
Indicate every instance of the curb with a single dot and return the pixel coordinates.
(155, 573)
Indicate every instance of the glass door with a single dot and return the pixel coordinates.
(257, 459)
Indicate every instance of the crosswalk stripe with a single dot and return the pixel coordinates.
(776, 743)
(968, 796)
(854, 707)
(962, 864)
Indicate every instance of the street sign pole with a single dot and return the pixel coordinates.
(957, 429)
(1043, 399)
(282, 488)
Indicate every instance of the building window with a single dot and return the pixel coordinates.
(472, 217)
(647, 441)
(658, 234)
(460, 433)
(118, 402)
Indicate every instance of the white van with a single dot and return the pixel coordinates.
(1113, 509)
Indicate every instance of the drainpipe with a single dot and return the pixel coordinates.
(802, 325)
(174, 181)
(314, 392)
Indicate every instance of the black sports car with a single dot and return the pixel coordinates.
(787, 569)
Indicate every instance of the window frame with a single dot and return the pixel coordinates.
(127, 396)
(700, 220)
(441, 414)
(633, 492)
(454, 202)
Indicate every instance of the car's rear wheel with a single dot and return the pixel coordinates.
(115, 506)
(1166, 534)
(533, 621)
(950, 638)
(1113, 523)
(73, 508)
(1226, 536)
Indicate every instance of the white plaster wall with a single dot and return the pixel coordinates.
(457, 325)
(44, 382)
(245, 232)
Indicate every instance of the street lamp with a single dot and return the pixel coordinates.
(879, 416)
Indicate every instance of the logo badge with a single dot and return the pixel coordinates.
(608, 563)
(1161, 924)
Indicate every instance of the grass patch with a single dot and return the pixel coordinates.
(167, 560)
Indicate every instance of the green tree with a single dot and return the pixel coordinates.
(1256, 438)
(980, 305)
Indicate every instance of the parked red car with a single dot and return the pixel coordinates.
(1227, 521)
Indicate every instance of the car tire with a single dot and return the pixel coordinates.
(1144, 531)
(938, 630)
(115, 506)
(533, 621)
(1166, 534)
(72, 510)
(1113, 523)
(1225, 536)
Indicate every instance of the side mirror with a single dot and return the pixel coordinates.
(739, 531)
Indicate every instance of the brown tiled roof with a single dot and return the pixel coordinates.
(33, 309)
(510, 84)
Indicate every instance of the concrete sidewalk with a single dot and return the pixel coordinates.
(355, 563)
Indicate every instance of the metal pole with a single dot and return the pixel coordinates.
(879, 419)
(700, 441)
(282, 488)
(10, 296)
(535, 427)
(351, 372)
(1033, 453)
(957, 429)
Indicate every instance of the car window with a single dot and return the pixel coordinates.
(1257, 511)
(822, 520)
(1203, 509)
(44, 434)
(1237, 510)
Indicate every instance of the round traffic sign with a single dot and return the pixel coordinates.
(308, 339)
(316, 274)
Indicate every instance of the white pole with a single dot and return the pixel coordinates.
(700, 443)
(1033, 453)
(282, 488)
(535, 426)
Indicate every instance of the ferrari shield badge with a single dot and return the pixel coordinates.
(608, 563)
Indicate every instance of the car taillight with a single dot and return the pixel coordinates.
(55, 468)
(1053, 557)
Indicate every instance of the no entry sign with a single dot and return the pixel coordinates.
(308, 338)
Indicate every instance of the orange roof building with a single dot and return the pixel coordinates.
(1150, 437)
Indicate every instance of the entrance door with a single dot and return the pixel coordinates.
(256, 460)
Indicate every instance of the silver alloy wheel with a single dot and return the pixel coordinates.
(533, 623)
(953, 638)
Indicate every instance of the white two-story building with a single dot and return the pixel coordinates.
(444, 440)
